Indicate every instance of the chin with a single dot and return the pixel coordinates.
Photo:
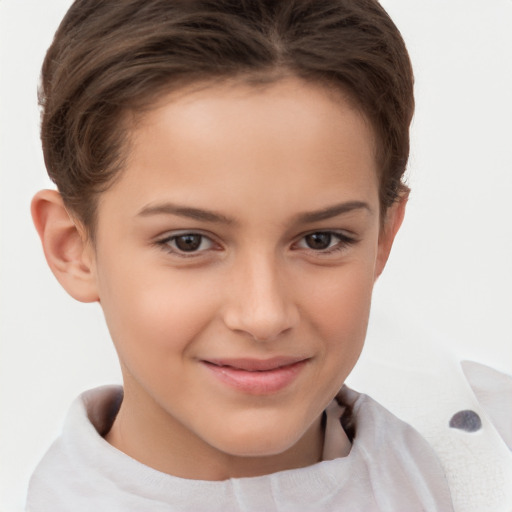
(264, 441)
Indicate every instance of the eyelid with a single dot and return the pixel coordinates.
(344, 241)
(164, 241)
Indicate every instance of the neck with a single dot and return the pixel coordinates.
(156, 439)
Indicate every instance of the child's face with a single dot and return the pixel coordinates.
(235, 261)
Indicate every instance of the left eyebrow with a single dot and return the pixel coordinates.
(332, 211)
(184, 211)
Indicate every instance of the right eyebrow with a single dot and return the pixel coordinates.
(333, 211)
(184, 211)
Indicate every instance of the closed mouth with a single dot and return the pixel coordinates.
(257, 376)
(256, 365)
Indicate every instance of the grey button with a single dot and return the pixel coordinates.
(468, 421)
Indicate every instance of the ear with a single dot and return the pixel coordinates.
(66, 247)
(390, 226)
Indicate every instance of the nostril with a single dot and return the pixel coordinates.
(261, 323)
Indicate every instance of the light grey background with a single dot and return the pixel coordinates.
(449, 281)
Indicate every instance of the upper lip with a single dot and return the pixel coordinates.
(256, 365)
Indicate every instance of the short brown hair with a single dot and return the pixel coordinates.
(109, 57)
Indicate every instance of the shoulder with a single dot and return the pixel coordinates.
(462, 410)
(72, 465)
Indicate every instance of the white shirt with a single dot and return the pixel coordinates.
(389, 467)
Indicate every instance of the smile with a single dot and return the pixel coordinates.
(256, 377)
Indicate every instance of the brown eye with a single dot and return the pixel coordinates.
(318, 241)
(325, 243)
(188, 242)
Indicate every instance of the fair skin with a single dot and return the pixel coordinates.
(234, 261)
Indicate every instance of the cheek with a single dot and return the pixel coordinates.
(154, 315)
(340, 310)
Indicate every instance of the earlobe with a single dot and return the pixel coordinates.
(65, 246)
(394, 218)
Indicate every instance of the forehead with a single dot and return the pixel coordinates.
(262, 143)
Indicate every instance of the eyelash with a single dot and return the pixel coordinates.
(343, 242)
(165, 244)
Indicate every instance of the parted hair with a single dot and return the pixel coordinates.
(112, 57)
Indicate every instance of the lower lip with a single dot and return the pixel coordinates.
(257, 382)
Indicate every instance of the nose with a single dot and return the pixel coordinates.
(260, 302)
